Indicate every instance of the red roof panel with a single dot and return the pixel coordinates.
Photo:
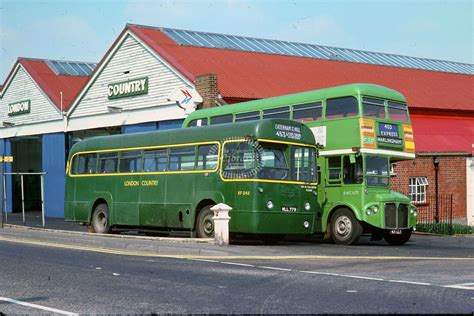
(442, 134)
(50, 83)
(251, 75)
(53, 84)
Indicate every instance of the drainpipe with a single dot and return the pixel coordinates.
(436, 167)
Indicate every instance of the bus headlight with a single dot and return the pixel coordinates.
(306, 224)
(376, 209)
(270, 205)
(368, 211)
(307, 206)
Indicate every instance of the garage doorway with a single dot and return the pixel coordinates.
(27, 153)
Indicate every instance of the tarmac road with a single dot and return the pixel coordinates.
(83, 273)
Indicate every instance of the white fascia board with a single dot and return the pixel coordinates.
(32, 129)
(98, 71)
(145, 115)
(7, 84)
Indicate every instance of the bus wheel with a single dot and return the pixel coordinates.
(345, 228)
(397, 240)
(100, 219)
(205, 223)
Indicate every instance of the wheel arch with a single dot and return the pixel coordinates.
(199, 206)
(105, 198)
(327, 215)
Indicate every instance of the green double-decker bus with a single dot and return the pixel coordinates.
(169, 180)
(361, 129)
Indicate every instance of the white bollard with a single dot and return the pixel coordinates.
(221, 223)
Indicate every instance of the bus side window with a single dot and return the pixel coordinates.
(108, 162)
(247, 116)
(341, 107)
(334, 168)
(84, 164)
(222, 119)
(198, 122)
(282, 112)
(182, 158)
(307, 112)
(155, 160)
(207, 157)
(353, 173)
(130, 161)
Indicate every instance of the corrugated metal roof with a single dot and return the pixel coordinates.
(53, 84)
(251, 75)
(270, 46)
(443, 134)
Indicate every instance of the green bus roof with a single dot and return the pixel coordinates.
(299, 98)
(262, 129)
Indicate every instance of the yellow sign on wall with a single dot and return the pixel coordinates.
(6, 158)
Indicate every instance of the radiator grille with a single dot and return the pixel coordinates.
(396, 217)
(390, 215)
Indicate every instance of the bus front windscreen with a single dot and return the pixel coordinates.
(377, 171)
(269, 161)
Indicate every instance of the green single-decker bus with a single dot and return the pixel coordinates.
(169, 180)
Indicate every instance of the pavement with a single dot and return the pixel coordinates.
(34, 219)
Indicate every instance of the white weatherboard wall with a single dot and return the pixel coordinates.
(130, 61)
(470, 190)
(44, 117)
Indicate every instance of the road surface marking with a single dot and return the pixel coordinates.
(463, 286)
(49, 309)
(351, 291)
(320, 273)
(360, 277)
(204, 260)
(238, 264)
(274, 268)
(219, 257)
(409, 282)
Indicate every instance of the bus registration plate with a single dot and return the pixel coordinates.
(288, 209)
(395, 232)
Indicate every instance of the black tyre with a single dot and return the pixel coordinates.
(345, 228)
(205, 223)
(397, 240)
(100, 219)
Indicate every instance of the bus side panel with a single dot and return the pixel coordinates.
(179, 193)
(69, 211)
(152, 201)
(84, 190)
(125, 200)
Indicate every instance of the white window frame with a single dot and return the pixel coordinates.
(418, 188)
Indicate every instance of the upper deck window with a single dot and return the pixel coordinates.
(373, 107)
(222, 119)
(397, 111)
(341, 107)
(198, 122)
(247, 116)
(308, 112)
(282, 112)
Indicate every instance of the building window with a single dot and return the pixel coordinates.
(418, 189)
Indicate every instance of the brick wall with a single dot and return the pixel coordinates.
(451, 179)
(206, 86)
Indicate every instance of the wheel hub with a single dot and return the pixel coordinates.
(343, 226)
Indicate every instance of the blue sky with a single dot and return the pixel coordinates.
(84, 30)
